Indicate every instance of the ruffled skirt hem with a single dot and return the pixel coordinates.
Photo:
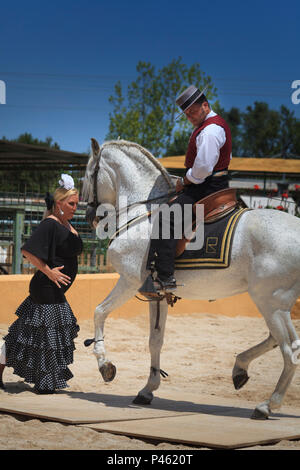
(40, 344)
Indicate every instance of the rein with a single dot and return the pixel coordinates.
(142, 216)
(96, 203)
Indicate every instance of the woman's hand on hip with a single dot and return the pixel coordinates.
(57, 276)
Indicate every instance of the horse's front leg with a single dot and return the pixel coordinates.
(120, 294)
(158, 317)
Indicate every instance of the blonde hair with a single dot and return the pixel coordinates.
(59, 195)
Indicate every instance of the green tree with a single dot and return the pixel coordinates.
(289, 135)
(269, 133)
(286, 131)
(260, 131)
(179, 143)
(233, 117)
(147, 115)
(296, 139)
(27, 138)
(23, 179)
(257, 132)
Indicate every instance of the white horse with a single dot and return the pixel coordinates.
(265, 261)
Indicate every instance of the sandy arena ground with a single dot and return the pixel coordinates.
(198, 353)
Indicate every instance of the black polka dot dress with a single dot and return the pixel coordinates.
(40, 343)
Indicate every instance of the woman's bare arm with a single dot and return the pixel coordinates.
(53, 274)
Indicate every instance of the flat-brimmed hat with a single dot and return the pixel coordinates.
(188, 97)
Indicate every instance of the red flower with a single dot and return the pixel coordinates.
(280, 208)
(275, 190)
(297, 187)
(285, 195)
(256, 186)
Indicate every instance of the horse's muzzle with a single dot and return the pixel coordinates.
(90, 214)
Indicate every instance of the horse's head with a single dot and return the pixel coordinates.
(98, 187)
(122, 172)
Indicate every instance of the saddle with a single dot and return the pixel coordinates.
(216, 206)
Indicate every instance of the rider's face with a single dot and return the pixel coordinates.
(196, 113)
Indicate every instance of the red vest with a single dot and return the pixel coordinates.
(225, 151)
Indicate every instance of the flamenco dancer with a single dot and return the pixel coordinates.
(40, 343)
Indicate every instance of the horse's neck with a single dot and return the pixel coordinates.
(137, 177)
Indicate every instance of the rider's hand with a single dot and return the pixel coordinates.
(179, 185)
(56, 276)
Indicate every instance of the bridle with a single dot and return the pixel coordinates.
(95, 203)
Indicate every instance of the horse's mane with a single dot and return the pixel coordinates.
(155, 161)
(121, 144)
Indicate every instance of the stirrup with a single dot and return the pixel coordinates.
(148, 289)
(169, 285)
(156, 287)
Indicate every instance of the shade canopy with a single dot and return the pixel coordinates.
(255, 165)
(15, 155)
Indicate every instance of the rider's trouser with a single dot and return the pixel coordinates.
(163, 248)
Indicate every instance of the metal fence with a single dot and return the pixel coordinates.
(20, 214)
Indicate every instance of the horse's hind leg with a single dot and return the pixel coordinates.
(240, 369)
(157, 330)
(283, 331)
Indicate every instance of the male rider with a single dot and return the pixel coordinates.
(207, 160)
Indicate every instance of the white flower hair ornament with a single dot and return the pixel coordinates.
(66, 181)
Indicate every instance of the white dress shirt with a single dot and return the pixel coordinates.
(208, 143)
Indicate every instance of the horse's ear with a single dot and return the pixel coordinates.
(95, 149)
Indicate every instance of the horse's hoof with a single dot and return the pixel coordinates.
(239, 380)
(257, 414)
(142, 400)
(108, 371)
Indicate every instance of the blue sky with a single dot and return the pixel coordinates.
(61, 59)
